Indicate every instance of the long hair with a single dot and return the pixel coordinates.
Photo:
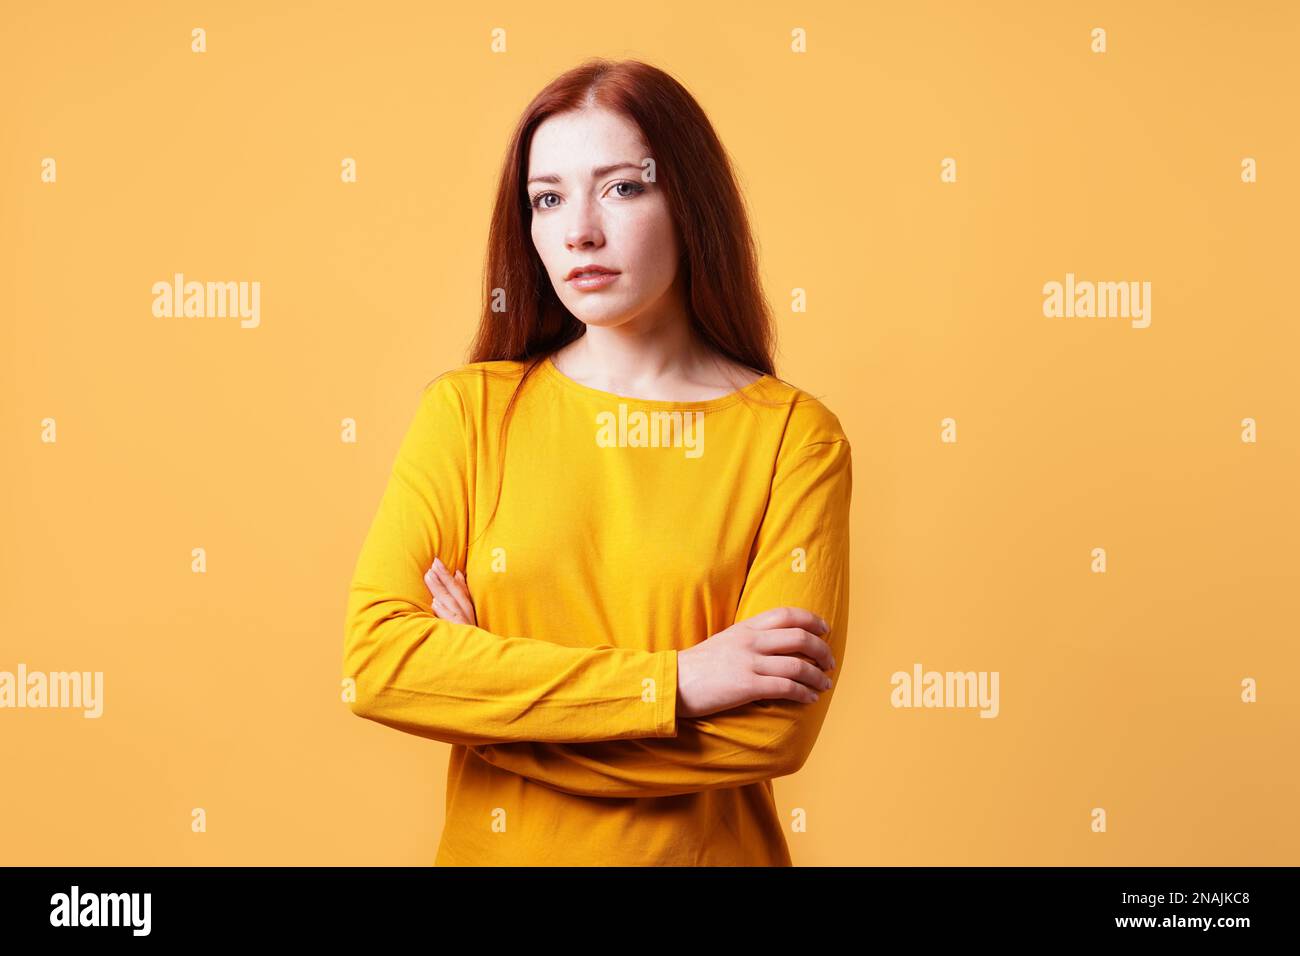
(725, 302)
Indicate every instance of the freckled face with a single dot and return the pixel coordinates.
(588, 213)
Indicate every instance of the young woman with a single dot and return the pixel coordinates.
(611, 564)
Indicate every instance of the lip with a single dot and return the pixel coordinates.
(596, 279)
(590, 267)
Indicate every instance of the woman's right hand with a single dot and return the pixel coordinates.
(747, 662)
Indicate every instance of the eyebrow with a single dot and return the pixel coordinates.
(595, 173)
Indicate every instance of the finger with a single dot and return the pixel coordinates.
(789, 617)
(794, 669)
(456, 592)
(781, 688)
(434, 583)
(447, 613)
(437, 588)
(794, 640)
(459, 590)
(469, 600)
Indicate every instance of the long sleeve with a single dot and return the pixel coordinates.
(459, 683)
(801, 560)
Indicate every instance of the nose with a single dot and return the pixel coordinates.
(584, 229)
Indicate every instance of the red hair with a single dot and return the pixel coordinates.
(725, 302)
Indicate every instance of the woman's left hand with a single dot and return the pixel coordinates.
(451, 601)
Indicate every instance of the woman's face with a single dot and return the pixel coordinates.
(586, 213)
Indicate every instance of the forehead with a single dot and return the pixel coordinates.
(583, 139)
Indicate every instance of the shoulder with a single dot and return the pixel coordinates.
(809, 421)
(501, 371)
(477, 385)
(814, 461)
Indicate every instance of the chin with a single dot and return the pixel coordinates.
(599, 319)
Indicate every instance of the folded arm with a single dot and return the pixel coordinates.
(801, 560)
(459, 683)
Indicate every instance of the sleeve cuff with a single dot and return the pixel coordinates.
(666, 695)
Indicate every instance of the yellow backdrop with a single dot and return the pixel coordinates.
(1099, 510)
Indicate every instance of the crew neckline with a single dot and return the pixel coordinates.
(704, 404)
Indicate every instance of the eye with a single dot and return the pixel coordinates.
(636, 189)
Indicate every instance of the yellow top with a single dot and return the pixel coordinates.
(628, 529)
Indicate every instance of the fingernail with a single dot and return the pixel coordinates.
(437, 563)
(825, 626)
(827, 685)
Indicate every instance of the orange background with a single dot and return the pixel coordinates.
(222, 690)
